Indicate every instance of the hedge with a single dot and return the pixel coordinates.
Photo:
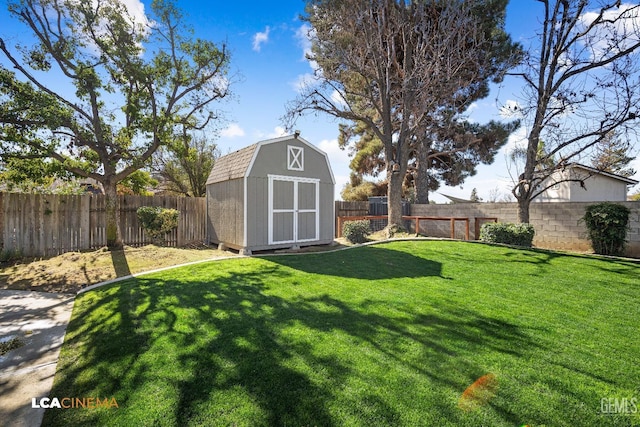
(507, 233)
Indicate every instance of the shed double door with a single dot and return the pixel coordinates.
(293, 209)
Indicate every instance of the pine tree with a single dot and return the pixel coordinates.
(612, 155)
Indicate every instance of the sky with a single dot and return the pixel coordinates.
(267, 41)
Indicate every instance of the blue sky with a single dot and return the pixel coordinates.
(266, 40)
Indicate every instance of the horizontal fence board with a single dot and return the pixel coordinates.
(51, 224)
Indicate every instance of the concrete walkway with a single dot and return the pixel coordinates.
(40, 320)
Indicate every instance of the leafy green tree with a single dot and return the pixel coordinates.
(29, 175)
(391, 66)
(138, 183)
(123, 88)
(359, 189)
(185, 164)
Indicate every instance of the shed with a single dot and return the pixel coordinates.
(581, 183)
(277, 193)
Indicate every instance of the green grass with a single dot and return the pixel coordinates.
(390, 334)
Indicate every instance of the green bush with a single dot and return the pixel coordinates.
(356, 231)
(507, 233)
(607, 225)
(157, 221)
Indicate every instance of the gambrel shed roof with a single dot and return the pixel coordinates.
(236, 165)
(233, 165)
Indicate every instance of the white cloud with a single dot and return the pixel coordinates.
(303, 82)
(338, 99)
(304, 35)
(277, 132)
(473, 106)
(511, 110)
(260, 38)
(232, 131)
(339, 160)
(136, 11)
(338, 157)
(517, 139)
(621, 23)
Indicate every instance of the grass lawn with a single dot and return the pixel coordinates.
(390, 334)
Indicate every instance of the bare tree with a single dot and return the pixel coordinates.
(390, 65)
(582, 81)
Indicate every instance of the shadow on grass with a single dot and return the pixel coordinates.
(381, 263)
(231, 350)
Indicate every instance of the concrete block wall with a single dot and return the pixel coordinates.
(558, 225)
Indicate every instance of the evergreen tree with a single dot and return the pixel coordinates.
(474, 196)
(612, 155)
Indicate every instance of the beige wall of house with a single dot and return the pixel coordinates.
(597, 188)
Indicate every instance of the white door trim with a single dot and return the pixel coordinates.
(295, 209)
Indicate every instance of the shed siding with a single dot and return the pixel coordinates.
(327, 217)
(226, 210)
(599, 188)
(272, 159)
(258, 212)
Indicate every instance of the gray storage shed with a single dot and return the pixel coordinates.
(273, 194)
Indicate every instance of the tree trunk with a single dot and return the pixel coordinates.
(114, 240)
(523, 209)
(394, 198)
(422, 176)
(526, 183)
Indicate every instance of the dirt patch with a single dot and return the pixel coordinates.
(70, 272)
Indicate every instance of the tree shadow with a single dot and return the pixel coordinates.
(382, 263)
(234, 347)
(120, 264)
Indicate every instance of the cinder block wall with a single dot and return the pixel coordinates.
(558, 225)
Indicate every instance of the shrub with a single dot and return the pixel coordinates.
(507, 233)
(356, 231)
(157, 221)
(7, 255)
(607, 227)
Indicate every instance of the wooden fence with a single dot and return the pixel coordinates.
(343, 209)
(49, 224)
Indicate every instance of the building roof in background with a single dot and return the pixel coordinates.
(601, 172)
